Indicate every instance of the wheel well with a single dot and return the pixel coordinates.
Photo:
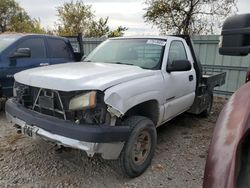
(149, 109)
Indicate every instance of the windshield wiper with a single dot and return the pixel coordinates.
(121, 63)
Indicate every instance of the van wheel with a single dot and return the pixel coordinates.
(138, 151)
(207, 112)
(2, 104)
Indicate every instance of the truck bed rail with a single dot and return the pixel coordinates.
(212, 78)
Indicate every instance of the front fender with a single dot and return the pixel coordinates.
(231, 128)
(123, 104)
(124, 96)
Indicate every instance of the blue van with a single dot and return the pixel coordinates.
(23, 51)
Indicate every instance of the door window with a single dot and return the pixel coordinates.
(177, 51)
(36, 46)
(58, 49)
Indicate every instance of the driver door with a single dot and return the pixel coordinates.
(180, 85)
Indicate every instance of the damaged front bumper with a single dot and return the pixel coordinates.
(101, 139)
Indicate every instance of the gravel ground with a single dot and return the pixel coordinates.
(179, 160)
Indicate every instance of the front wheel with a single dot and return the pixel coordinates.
(2, 103)
(138, 151)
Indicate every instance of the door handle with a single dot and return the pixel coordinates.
(44, 64)
(191, 77)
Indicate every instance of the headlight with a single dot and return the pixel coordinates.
(83, 101)
(20, 89)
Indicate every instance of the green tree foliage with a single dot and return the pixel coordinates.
(188, 16)
(15, 19)
(76, 17)
(37, 28)
(98, 28)
(117, 32)
(23, 23)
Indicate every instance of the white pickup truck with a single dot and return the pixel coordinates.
(111, 103)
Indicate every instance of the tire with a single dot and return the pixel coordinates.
(207, 111)
(2, 104)
(129, 162)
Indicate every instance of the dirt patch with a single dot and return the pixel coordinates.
(179, 160)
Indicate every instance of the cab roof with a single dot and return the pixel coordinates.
(30, 34)
(147, 37)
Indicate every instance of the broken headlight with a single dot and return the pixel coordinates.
(87, 100)
(20, 90)
(88, 107)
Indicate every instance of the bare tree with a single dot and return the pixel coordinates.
(189, 16)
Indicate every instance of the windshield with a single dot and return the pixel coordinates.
(145, 53)
(6, 40)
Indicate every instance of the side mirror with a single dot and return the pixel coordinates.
(21, 53)
(235, 40)
(179, 65)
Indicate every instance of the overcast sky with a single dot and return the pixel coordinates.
(127, 13)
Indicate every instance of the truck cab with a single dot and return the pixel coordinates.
(24, 51)
(168, 59)
(111, 103)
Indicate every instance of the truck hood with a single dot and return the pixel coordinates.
(80, 76)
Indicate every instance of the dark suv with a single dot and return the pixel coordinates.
(23, 51)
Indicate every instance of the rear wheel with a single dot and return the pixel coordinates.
(138, 152)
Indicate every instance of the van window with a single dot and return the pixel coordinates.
(58, 48)
(36, 46)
